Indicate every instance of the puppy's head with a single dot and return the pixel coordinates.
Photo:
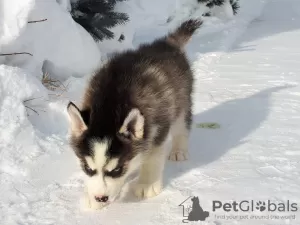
(106, 159)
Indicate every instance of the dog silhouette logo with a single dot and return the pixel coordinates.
(193, 211)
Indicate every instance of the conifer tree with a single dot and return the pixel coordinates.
(97, 17)
(212, 3)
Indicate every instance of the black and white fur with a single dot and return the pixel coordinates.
(130, 106)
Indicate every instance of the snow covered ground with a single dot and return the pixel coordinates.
(247, 80)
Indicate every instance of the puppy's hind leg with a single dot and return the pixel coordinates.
(180, 135)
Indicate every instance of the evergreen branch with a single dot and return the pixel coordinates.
(211, 3)
(110, 20)
(101, 33)
(203, 1)
(96, 30)
(218, 2)
(121, 18)
(97, 17)
(92, 6)
(235, 6)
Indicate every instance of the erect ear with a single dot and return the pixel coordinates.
(77, 123)
(133, 125)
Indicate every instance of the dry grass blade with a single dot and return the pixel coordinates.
(50, 83)
(54, 85)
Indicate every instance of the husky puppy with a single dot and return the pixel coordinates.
(130, 106)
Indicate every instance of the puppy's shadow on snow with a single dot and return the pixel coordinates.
(237, 119)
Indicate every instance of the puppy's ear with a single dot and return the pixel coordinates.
(77, 124)
(133, 126)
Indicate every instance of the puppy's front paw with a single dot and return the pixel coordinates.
(178, 156)
(148, 190)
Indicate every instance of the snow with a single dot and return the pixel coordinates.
(246, 71)
(15, 20)
(58, 40)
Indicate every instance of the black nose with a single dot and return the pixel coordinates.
(101, 199)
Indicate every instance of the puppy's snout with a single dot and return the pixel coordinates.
(101, 198)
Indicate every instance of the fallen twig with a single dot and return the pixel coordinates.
(30, 99)
(16, 53)
(37, 21)
(31, 109)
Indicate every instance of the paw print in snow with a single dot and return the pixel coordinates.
(261, 206)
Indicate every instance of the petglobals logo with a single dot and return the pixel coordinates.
(251, 206)
(192, 210)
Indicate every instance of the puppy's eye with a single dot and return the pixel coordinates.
(117, 172)
(118, 169)
(89, 171)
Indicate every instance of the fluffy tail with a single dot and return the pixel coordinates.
(184, 32)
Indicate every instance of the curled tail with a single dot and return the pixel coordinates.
(184, 32)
